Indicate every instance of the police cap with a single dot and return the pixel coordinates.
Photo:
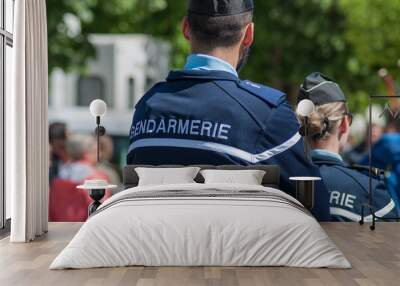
(320, 90)
(215, 8)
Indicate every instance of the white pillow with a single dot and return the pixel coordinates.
(243, 177)
(166, 176)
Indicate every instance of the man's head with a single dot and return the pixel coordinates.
(57, 132)
(76, 148)
(393, 126)
(220, 27)
(58, 135)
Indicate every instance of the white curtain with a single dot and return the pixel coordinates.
(26, 125)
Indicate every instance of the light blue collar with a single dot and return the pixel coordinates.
(326, 153)
(206, 62)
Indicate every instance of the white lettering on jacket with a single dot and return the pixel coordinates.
(181, 127)
(342, 199)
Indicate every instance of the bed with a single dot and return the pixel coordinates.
(198, 224)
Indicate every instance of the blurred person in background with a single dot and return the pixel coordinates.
(386, 155)
(58, 135)
(105, 165)
(328, 131)
(358, 153)
(82, 160)
(393, 126)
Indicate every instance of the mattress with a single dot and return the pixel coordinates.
(201, 225)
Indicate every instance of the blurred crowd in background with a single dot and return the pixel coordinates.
(73, 157)
(357, 150)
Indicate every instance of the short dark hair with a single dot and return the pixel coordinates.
(394, 124)
(57, 131)
(222, 31)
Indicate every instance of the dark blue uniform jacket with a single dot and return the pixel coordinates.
(348, 190)
(212, 117)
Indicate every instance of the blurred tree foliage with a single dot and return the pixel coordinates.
(349, 40)
(373, 32)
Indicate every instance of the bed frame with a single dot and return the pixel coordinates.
(271, 178)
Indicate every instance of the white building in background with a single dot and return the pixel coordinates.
(126, 66)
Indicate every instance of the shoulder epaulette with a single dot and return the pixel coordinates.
(265, 93)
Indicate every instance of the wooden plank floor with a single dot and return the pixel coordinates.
(375, 257)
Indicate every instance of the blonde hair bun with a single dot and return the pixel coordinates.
(323, 120)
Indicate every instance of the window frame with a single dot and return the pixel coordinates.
(6, 39)
(101, 94)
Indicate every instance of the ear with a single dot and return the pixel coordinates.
(248, 36)
(185, 28)
(344, 126)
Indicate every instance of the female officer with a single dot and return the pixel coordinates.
(328, 130)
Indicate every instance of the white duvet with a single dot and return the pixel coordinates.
(205, 231)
